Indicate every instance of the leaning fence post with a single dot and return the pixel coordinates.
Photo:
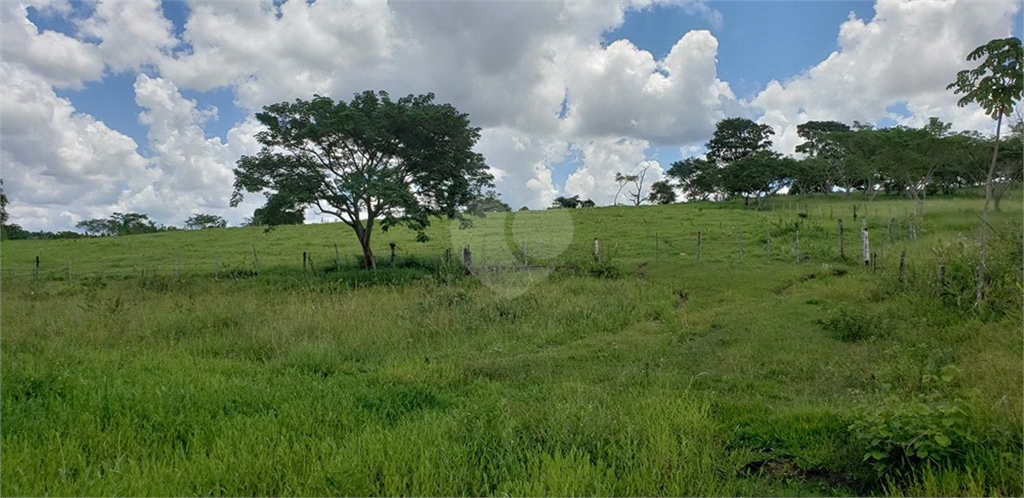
(981, 270)
(798, 245)
(741, 246)
(864, 240)
(903, 263)
(467, 260)
(256, 260)
(841, 255)
(698, 246)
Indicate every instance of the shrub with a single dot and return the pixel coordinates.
(901, 436)
(853, 325)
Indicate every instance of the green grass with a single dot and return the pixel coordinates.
(672, 378)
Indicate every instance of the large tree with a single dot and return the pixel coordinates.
(736, 138)
(758, 176)
(825, 169)
(997, 85)
(697, 177)
(368, 161)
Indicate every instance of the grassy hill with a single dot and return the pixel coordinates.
(644, 373)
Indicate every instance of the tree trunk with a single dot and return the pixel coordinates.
(992, 169)
(368, 261)
(363, 234)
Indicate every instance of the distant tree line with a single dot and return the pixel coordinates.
(901, 160)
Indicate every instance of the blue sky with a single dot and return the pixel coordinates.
(147, 104)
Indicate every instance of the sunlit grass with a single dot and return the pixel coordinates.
(674, 378)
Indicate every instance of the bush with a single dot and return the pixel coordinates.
(853, 325)
(902, 436)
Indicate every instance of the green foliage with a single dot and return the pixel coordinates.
(899, 436)
(368, 161)
(696, 176)
(489, 203)
(996, 84)
(3, 204)
(736, 138)
(854, 324)
(275, 212)
(662, 193)
(119, 224)
(710, 378)
(200, 221)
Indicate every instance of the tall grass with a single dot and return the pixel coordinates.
(648, 374)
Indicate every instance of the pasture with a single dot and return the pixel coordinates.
(164, 364)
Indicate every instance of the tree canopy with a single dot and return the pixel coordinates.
(997, 86)
(200, 221)
(736, 138)
(372, 160)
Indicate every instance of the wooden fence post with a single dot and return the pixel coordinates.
(888, 229)
(337, 258)
(864, 241)
(177, 267)
(392, 244)
(768, 246)
(71, 276)
(903, 264)
(657, 248)
(981, 271)
(304, 261)
(698, 246)
(216, 275)
(255, 260)
(448, 255)
(841, 255)
(741, 246)
(798, 245)
(467, 260)
(37, 266)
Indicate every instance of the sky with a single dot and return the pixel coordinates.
(145, 106)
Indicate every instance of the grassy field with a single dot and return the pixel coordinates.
(164, 365)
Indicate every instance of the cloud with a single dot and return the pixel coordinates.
(622, 91)
(131, 33)
(57, 160)
(62, 61)
(195, 172)
(603, 158)
(521, 164)
(908, 53)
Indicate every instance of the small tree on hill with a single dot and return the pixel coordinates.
(662, 193)
(200, 221)
(997, 85)
(368, 161)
